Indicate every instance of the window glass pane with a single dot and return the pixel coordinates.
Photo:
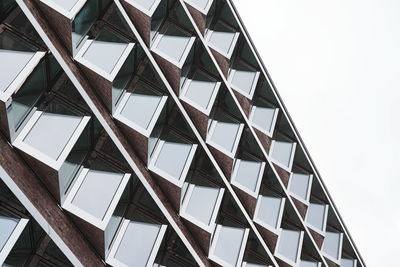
(331, 244)
(199, 3)
(172, 158)
(229, 243)
(202, 203)
(225, 134)
(200, 89)
(122, 79)
(282, 152)
(269, 210)
(83, 21)
(347, 263)
(263, 117)
(138, 242)
(222, 37)
(67, 5)
(52, 132)
(7, 226)
(69, 169)
(248, 174)
(244, 80)
(10, 42)
(158, 17)
(145, 4)
(289, 244)
(316, 215)
(308, 264)
(299, 185)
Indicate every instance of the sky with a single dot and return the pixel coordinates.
(336, 65)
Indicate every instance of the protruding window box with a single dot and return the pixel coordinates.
(332, 246)
(139, 112)
(202, 6)
(136, 244)
(48, 140)
(222, 38)
(72, 19)
(306, 263)
(289, 245)
(263, 117)
(282, 154)
(300, 187)
(228, 245)
(92, 200)
(109, 66)
(10, 231)
(317, 216)
(173, 49)
(243, 79)
(248, 264)
(269, 212)
(348, 262)
(247, 176)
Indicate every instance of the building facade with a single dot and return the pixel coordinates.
(149, 133)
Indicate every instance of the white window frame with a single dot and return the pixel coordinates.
(186, 52)
(299, 198)
(211, 101)
(146, 132)
(210, 133)
(250, 95)
(116, 243)
(16, 84)
(232, 46)
(354, 261)
(214, 242)
(300, 246)
(101, 224)
(178, 182)
(269, 132)
(242, 187)
(148, 12)
(68, 14)
(319, 264)
(257, 220)
(202, 10)
(287, 168)
(117, 67)
(337, 261)
(12, 239)
(208, 227)
(315, 229)
(55, 164)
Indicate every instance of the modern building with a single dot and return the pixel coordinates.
(149, 133)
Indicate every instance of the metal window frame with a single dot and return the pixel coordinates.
(291, 159)
(228, 54)
(298, 254)
(12, 239)
(339, 258)
(231, 74)
(68, 14)
(242, 187)
(205, 10)
(264, 224)
(148, 12)
(268, 132)
(309, 186)
(325, 220)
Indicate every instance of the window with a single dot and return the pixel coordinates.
(348, 263)
(10, 230)
(224, 134)
(264, 118)
(228, 245)
(247, 175)
(289, 245)
(300, 186)
(201, 205)
(332, 246)
(200, 91)
(309, 264)
(222, 39)
(201, 5)
(136, 244)
(316, 217)
(174, 44)
(282, 153)
(140, 109)
(172, 160)
(243, 79)
(269, 211)
(146, 6)
(95, 194)
(66, 8)
(51, 136)
(246, 264)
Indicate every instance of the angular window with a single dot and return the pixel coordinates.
(95, 194)
(300, 186)
(140, 109)
(222, 38)
(247, 175)
(136, 244)
(200, 91)
(146, 6)
(66, 8)
(269, 211)
(224, 134)
(50, 136)
(282, 153)
(173, 44)
(228, 245)
(201, 5)
(289, 245)
(243, 79)
(201, 205)
(171, 159)
(10, 230)
(247, 264)
(332, 246)
(264, 118)
(348, 263)
(309, 264)
(316, 217)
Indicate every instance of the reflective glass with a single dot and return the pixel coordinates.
(158, 17)
(244, 80)
(269, 210)
(84, 21)
(145, 4)
(289, 244)
(7, 226)
(200, 3)
(263, 117)
(248, 174)
(222, 38)
(229, 243)
(67, 5)
(122, 79)
(331, 244)
(299, 185)
(173, 43)
(308, 264)
(225, 134)
(202, 203)
(316, 215)
(282, 152)
(8, 72)
(347, 263)
(200, 89)
(96, 192)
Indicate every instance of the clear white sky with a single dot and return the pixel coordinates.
(336, 65)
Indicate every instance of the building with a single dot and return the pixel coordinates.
(148, 133)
